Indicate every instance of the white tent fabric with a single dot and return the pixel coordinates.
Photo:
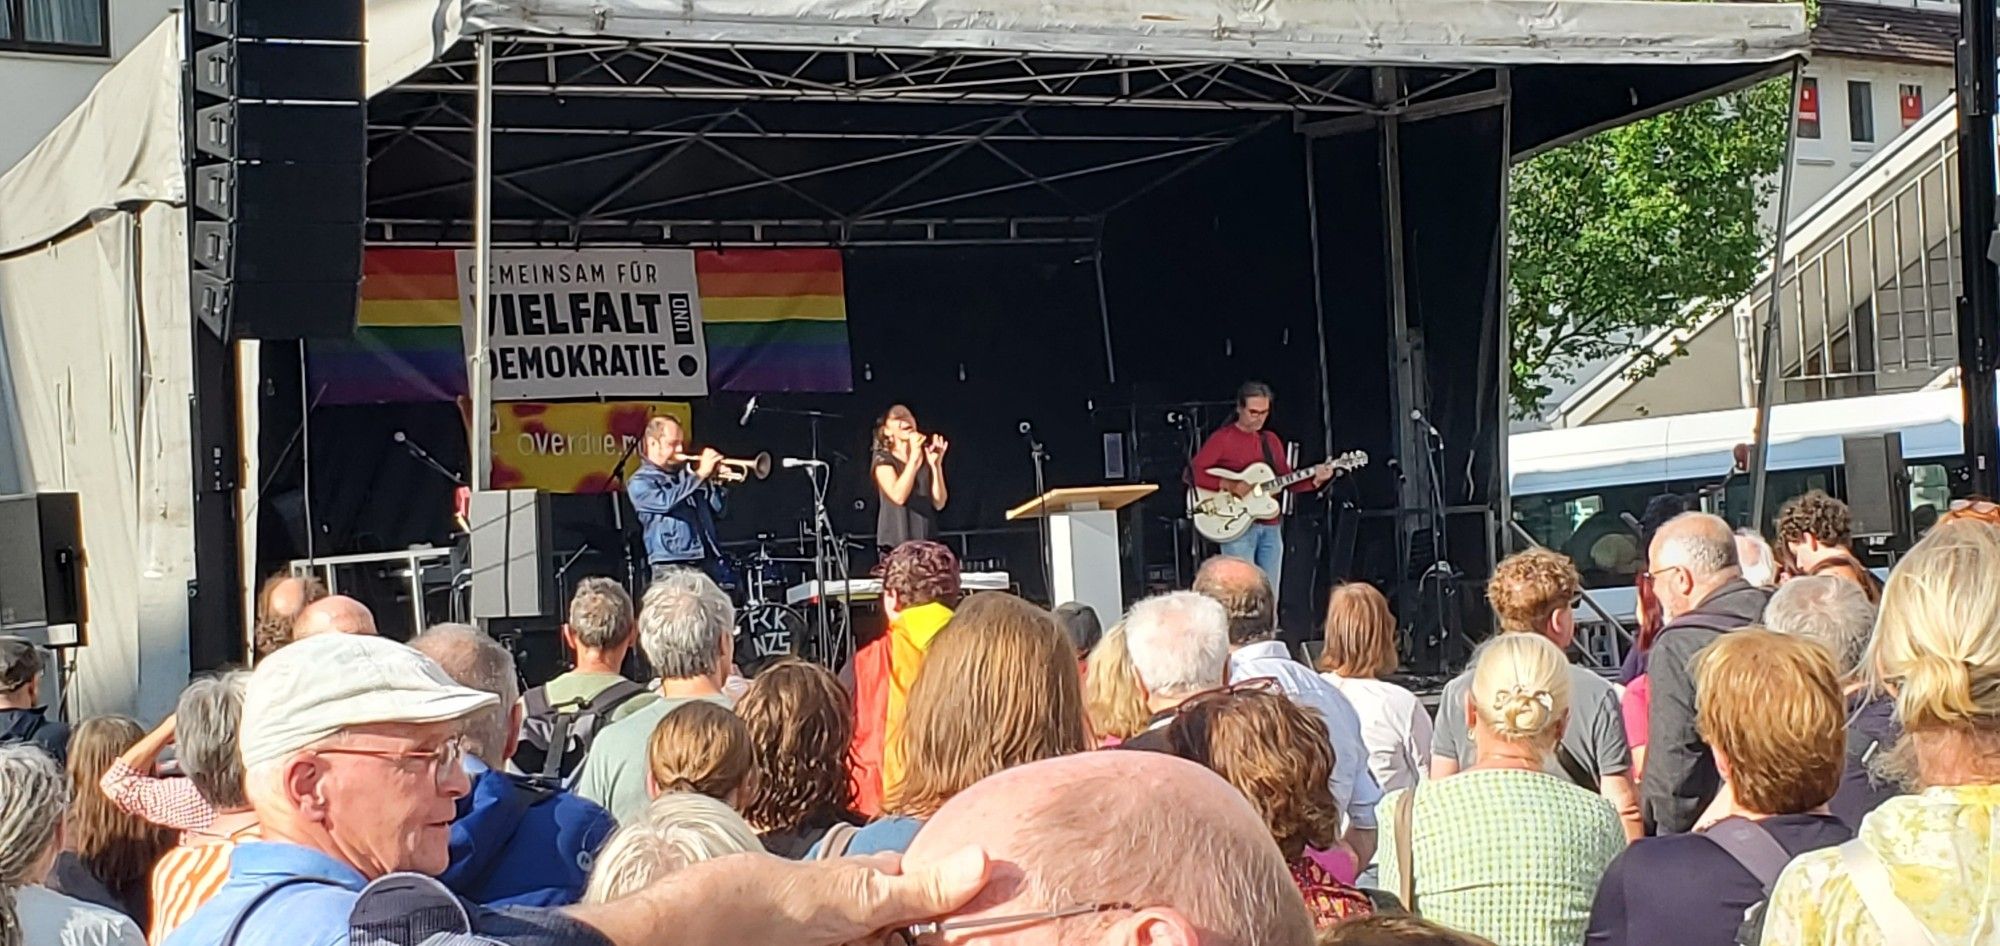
(93, 301)
(1456, 32)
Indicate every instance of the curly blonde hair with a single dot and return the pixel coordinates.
(1529, 587)
(1274, 751)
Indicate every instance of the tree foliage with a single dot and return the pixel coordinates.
(1652, 225)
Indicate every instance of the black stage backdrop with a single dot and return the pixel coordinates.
(1209, 282)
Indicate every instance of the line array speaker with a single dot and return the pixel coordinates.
(278, 126)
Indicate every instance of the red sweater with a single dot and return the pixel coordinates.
(1232, 448)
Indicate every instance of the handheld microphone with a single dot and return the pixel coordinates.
(749, 411)
(793, 463)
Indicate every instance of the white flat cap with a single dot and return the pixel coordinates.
(310, 689)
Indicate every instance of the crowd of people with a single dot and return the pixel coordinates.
(1798, 753)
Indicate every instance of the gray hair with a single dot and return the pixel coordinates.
(477, 661)
(676, 830)
(1701, 543)
(205, 726)
(33, 793)
(1760, 566)
(684, 624)
(1833, 612)
(1179, 643)
(600, 613)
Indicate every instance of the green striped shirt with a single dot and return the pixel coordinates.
(1510, 855)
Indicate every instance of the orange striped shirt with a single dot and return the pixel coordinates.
(186, 877)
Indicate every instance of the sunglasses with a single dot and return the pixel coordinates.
(915, 934)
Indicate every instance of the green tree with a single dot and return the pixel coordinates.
(1652, 225)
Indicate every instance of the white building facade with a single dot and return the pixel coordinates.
(53, 51)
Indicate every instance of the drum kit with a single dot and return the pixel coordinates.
(772, 619)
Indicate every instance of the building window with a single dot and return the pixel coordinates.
(1809, 108)
(56, 26)
(1860, 112)
(1910, 98)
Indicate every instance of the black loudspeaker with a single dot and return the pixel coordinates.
(512, 572)
(278, 182)
(1878, 486)
(41, 569)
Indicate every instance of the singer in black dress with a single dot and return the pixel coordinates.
(908, 467)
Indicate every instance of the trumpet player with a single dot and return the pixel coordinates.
(677, 497)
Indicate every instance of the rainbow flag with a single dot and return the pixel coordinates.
(775, 321)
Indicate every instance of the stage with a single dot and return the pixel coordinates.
(1096, 220)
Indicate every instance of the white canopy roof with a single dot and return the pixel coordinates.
(1451, 32)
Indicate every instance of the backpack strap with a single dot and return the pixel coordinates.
(614, 696)
(835, 842)
(1578, 773)
(236, 926)
(1870, 878)
(1753, 847)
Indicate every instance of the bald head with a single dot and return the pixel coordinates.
(1121, 827)
(334, 614)
(1243, 591)
(1691, 556)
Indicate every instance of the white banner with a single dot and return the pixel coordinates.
(590, 323)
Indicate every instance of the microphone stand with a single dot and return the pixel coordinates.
(424, 457)
(614, 483)
(829, 552)
(1040, 455)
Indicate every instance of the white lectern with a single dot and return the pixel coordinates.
(1083, 543)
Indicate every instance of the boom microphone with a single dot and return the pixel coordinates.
(1026, 429)
(749, 411)
(793, 463)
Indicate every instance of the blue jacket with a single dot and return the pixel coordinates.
(677, 511)
(514, 844)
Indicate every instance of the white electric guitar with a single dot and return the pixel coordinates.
(1220, 515)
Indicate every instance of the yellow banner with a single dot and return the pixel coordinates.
(570, 447)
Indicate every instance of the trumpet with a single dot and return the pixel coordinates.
(730, 470)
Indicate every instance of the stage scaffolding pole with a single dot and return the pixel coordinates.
(1319, 301)
(1979, 304)
(1768, 366)
(477, 376)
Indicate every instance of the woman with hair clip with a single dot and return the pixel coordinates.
(1503, 849)
(908, 467)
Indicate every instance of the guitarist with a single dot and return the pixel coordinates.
(1237, 445)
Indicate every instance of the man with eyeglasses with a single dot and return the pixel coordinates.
(1112, 849)
(1536, 592)
(1698, 580)
(353, 765)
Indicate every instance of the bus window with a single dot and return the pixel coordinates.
(1930, 494)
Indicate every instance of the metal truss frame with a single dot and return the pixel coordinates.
(728, 82)
(568, 66)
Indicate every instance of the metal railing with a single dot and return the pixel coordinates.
(1871, 274)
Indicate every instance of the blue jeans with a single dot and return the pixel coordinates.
(1263, 545)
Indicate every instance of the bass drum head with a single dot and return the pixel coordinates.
(766, 632)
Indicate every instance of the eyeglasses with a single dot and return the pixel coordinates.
(445, 761)
(909, 935)
(1654, 575)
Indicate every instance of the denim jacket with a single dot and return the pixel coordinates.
(677, 511)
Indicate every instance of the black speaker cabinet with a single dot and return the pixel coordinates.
(1878, 487)
(41, 568)
(512, 572)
